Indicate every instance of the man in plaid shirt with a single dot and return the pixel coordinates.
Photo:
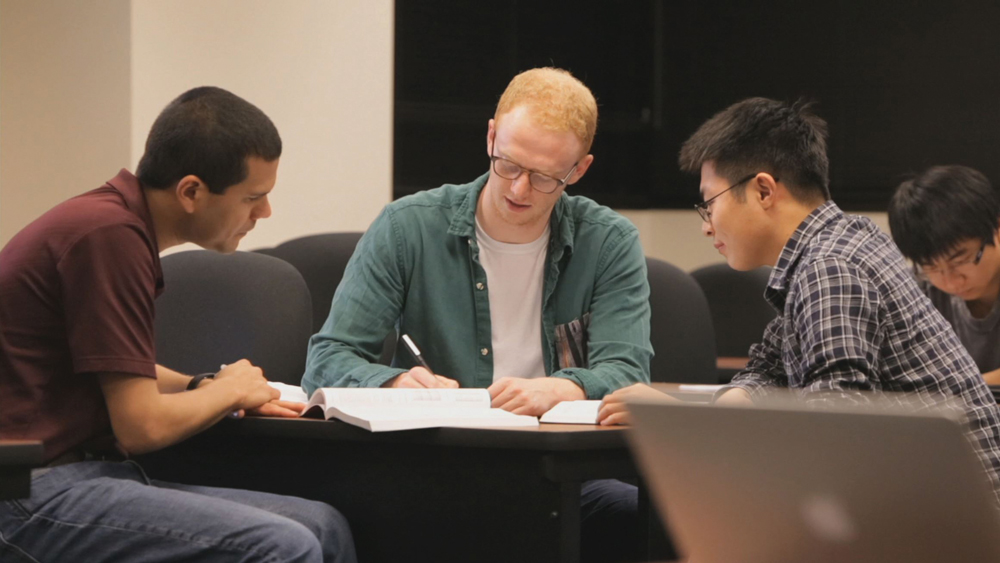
(851, 317)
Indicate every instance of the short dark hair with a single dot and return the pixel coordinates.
(210, 133)
(931, 214)
(762, 135)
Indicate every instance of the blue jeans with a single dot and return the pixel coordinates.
(609, 521)
(109, 511)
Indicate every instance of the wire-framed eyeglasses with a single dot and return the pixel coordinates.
(704, 208)
(510, 170)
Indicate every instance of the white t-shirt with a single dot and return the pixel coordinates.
(515, 274)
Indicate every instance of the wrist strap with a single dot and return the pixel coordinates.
(196, 380)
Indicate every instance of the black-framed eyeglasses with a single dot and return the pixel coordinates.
(703, 207)
(510, 170)
(930, 270)
(979, 255)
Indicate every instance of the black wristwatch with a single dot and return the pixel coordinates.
(193, 384)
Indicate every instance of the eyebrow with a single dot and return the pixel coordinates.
(958, 253)
(557, 176)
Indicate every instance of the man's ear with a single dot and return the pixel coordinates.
(581, 169)
(191, 192)
(765, 189)
(491, 136)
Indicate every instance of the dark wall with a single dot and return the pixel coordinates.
(901, 89)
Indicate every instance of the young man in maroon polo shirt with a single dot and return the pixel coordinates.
(77, 358)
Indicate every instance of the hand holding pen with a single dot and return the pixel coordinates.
(421, 375)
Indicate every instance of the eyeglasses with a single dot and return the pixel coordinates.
(955, 266)
(703, 207)
(510, 170)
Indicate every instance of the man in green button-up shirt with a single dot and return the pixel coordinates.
(418, 269)
(506, 283)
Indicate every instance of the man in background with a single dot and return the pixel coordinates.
(945, 221)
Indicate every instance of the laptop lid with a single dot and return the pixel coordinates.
(780, 484)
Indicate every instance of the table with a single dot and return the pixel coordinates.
(17, 459)
(441, 494)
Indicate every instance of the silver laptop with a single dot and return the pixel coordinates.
(786, 484)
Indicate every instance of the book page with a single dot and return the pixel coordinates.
(699, 388)
(573, 412)
(292, 393)
(402, 409)
(329, 397)
(407, 417)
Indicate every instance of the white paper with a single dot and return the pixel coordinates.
(699, 388)
(573, 412)
(380, 410)
(292, 393)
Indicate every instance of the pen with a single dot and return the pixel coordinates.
(415, 352)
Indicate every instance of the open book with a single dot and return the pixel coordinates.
(380, 410)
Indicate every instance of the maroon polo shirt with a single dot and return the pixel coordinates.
(77, 288)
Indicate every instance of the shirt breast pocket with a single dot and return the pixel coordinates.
(571, 343)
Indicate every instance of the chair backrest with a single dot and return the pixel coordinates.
(321, 260)
(220, 308)
(680, 327)
(739, 311)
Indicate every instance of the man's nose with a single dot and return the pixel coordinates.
(952, 280)
(263, 211)
(706, 228)
(521, 186)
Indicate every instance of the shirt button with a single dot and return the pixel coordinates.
(484, 351)
(480, 286)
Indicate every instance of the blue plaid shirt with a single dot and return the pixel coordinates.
(852, 318)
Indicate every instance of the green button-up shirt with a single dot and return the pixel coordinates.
(417, 269)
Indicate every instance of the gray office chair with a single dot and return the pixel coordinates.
(321, 260)
(680, 327)
(739, 311)
(219, 308)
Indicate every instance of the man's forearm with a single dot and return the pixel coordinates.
(992, 377)
(604, 378)
(145, 419)
(337, 364)
(170, 381)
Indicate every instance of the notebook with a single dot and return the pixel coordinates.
(783, 484)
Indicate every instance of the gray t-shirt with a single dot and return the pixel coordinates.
(981, 337)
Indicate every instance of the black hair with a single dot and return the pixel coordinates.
(761, 135)
(931, 214)
(210, 133)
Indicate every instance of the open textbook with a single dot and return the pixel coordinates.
(402, 409)
(380, 410)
